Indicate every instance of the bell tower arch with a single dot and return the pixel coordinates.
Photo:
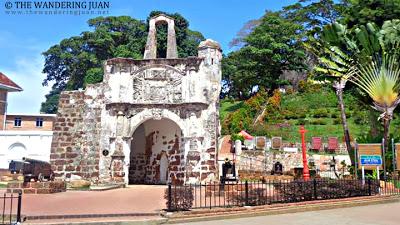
(150, 51)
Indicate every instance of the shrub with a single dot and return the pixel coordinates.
(181, 198)
(348, 114)
(302, 122)
(334, 115)
(360, 117)
(235, 137)
(318, 122)
(324, 189)
(302, 115)
(242, 118)
(337, 121)
(289, 90)
(320, 113)
(289, 114)
(256, 196)
(275, 99)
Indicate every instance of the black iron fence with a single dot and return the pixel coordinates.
(185, 197)
(11, 210)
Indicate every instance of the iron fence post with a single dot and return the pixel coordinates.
(369, 187)
(169, 196)
(246, 189)
(19, 207)
(315, 188)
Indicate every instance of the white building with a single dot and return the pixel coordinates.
(18, 144)
(22, 135)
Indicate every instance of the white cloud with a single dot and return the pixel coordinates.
(27, 74)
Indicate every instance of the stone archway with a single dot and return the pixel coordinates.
(156, 152)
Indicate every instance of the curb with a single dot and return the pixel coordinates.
(86, 216)
(208, 215)
(119, 222)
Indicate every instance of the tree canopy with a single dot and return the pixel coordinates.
(268, 49)
(272, 47)
(361, 12)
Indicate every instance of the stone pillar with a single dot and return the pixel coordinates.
(150, 51)
(172, 51)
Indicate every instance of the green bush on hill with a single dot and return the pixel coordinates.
(320, 113)
(284, 113)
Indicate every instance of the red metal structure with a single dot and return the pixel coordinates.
(316, 143)
(306, 171)
(333, 144)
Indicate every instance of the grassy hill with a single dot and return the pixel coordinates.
(317, 109)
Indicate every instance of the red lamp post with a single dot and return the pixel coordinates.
(306, 171)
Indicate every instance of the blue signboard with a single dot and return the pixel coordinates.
(370, 160)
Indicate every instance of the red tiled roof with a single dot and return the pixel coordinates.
(9, 84)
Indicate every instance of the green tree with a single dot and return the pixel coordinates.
(51, 103)
(271, 47)
(340, 50)
(314, 14)
(362, 12)
(78, 61)
(334, 64)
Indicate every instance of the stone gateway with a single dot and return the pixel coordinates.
(150, 121)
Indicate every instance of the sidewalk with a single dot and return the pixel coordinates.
(275, 209)
(138, 200)
(142, 204)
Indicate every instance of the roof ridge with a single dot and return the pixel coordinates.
(8, 83)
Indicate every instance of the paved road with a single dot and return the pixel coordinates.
(384, 214)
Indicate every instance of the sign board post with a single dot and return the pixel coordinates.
(377, 170)
(397, 155)
(363, 174)
(393, 157)
(384, 161)
(368, 149)
(370, 160)
(356, 159)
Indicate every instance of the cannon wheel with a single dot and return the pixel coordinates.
(51, 177)
(40, 177)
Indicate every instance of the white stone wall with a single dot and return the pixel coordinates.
(183, 91)
(257, 161)
(173, 89)
(18, 144)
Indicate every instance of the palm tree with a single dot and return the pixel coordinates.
(380, 80)
(335, 63)
(340, 50)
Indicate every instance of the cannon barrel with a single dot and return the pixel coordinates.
(36, 169)
(34, 160)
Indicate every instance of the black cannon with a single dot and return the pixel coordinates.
(228, 171)
(16, 166)
(32, 169)
(277, 169)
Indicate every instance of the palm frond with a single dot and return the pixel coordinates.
(380, 79)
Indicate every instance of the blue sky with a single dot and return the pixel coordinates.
(24, 37)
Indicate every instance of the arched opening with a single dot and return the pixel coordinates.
(16, 151)
(162, 38)
(156, 152)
